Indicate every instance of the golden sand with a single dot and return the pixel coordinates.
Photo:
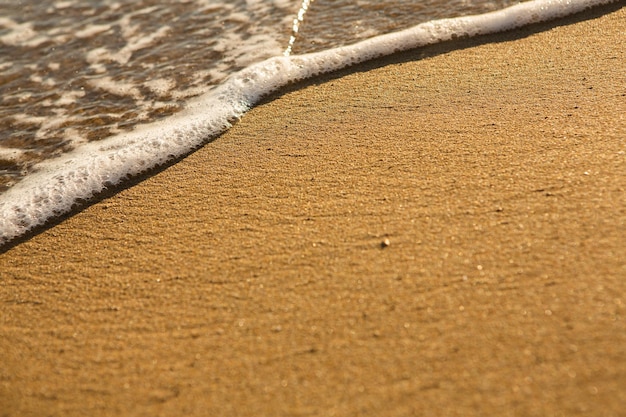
(437, 233)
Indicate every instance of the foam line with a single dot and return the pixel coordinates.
(59, 184)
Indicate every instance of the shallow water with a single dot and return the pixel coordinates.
(76, 71)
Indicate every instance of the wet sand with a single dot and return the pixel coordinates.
(440, 232)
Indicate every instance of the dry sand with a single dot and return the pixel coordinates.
(251, 278)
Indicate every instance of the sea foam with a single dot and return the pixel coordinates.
(61, 183)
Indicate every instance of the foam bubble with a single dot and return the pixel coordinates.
(60, 183)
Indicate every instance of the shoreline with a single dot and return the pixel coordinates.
(80, 176)
(436, 232)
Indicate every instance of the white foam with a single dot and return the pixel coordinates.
(68, 97)
(134, 43)
(92, 30)
(45, 125)
(161, 86)
(21, 34)
(60, 183)
(117, 88)
(295, 28)
(11, 154)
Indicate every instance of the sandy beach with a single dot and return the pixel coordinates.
(437, 233)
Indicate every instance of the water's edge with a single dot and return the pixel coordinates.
(67, 184)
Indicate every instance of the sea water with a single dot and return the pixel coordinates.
(93, 92)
